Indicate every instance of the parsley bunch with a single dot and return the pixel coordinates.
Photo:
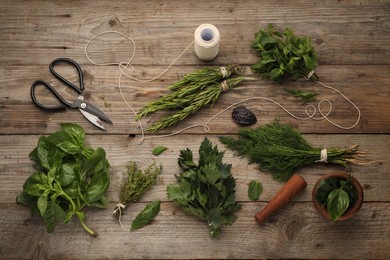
(207, 189)
(283, 55)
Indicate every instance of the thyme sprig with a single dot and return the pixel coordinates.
(282, 150)
(136, 183)
(193, 92)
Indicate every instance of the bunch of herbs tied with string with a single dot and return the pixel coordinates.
(193, 92)
(282, 150)
(285, 55)
(136, 183)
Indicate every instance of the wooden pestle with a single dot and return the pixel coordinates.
(290, 189)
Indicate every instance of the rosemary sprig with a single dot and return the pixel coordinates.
(282, 150)
(190, 94)
(135, 185)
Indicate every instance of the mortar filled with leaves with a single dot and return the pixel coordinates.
(337, 196)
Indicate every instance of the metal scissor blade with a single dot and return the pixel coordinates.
(91, 109)
(92, 118)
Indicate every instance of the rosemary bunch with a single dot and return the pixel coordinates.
(136, 184)
(192, 93)
(282, 150)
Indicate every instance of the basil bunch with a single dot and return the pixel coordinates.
(69, 177)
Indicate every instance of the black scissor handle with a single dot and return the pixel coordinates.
(63, 104)
(79, 89)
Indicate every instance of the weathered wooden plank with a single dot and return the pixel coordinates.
(296, 231)
(16, 166)
(353, 32)
(367, 86)
(351, 39)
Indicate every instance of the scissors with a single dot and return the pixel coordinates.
(90, 112)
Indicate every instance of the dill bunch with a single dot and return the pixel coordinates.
(137, 182)
(282, 150)
(192, 93)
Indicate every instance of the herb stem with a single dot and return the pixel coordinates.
(81, 218)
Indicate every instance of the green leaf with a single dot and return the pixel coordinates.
(73, 190)
(102, 203)
(95, 163)
(97, 187)
(43, 152)
(158, 150)
(36, 184)
(42, 204)
(212, 173)
(214, 219)
(276, 73)
(66, 174)
(337, 203)
(76, 133)
(52, 214)
(305, 96)
(185, 160)
(26, 199)
(254, 190)
(146, 216)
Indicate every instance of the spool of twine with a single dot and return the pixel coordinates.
(206, 42)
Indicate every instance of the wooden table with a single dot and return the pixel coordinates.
(352, 41)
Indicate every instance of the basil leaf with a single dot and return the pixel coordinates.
(254, 190)
(53, 213)
(337, 203)
(76, 133)
(42, 204)
(43, 153)
(26, 199)
(66, 174)
(36, 184)
(159, 150)
(72, 190)
(97, 187)
(146, 216)
(95, 163)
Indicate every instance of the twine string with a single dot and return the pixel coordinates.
(119, 211)
(323, 156)
(310, 110)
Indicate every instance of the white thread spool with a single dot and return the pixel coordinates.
(206, 42)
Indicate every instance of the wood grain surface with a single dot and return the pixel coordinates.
(352, 41)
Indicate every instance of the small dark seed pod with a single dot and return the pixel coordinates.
(243, 116)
